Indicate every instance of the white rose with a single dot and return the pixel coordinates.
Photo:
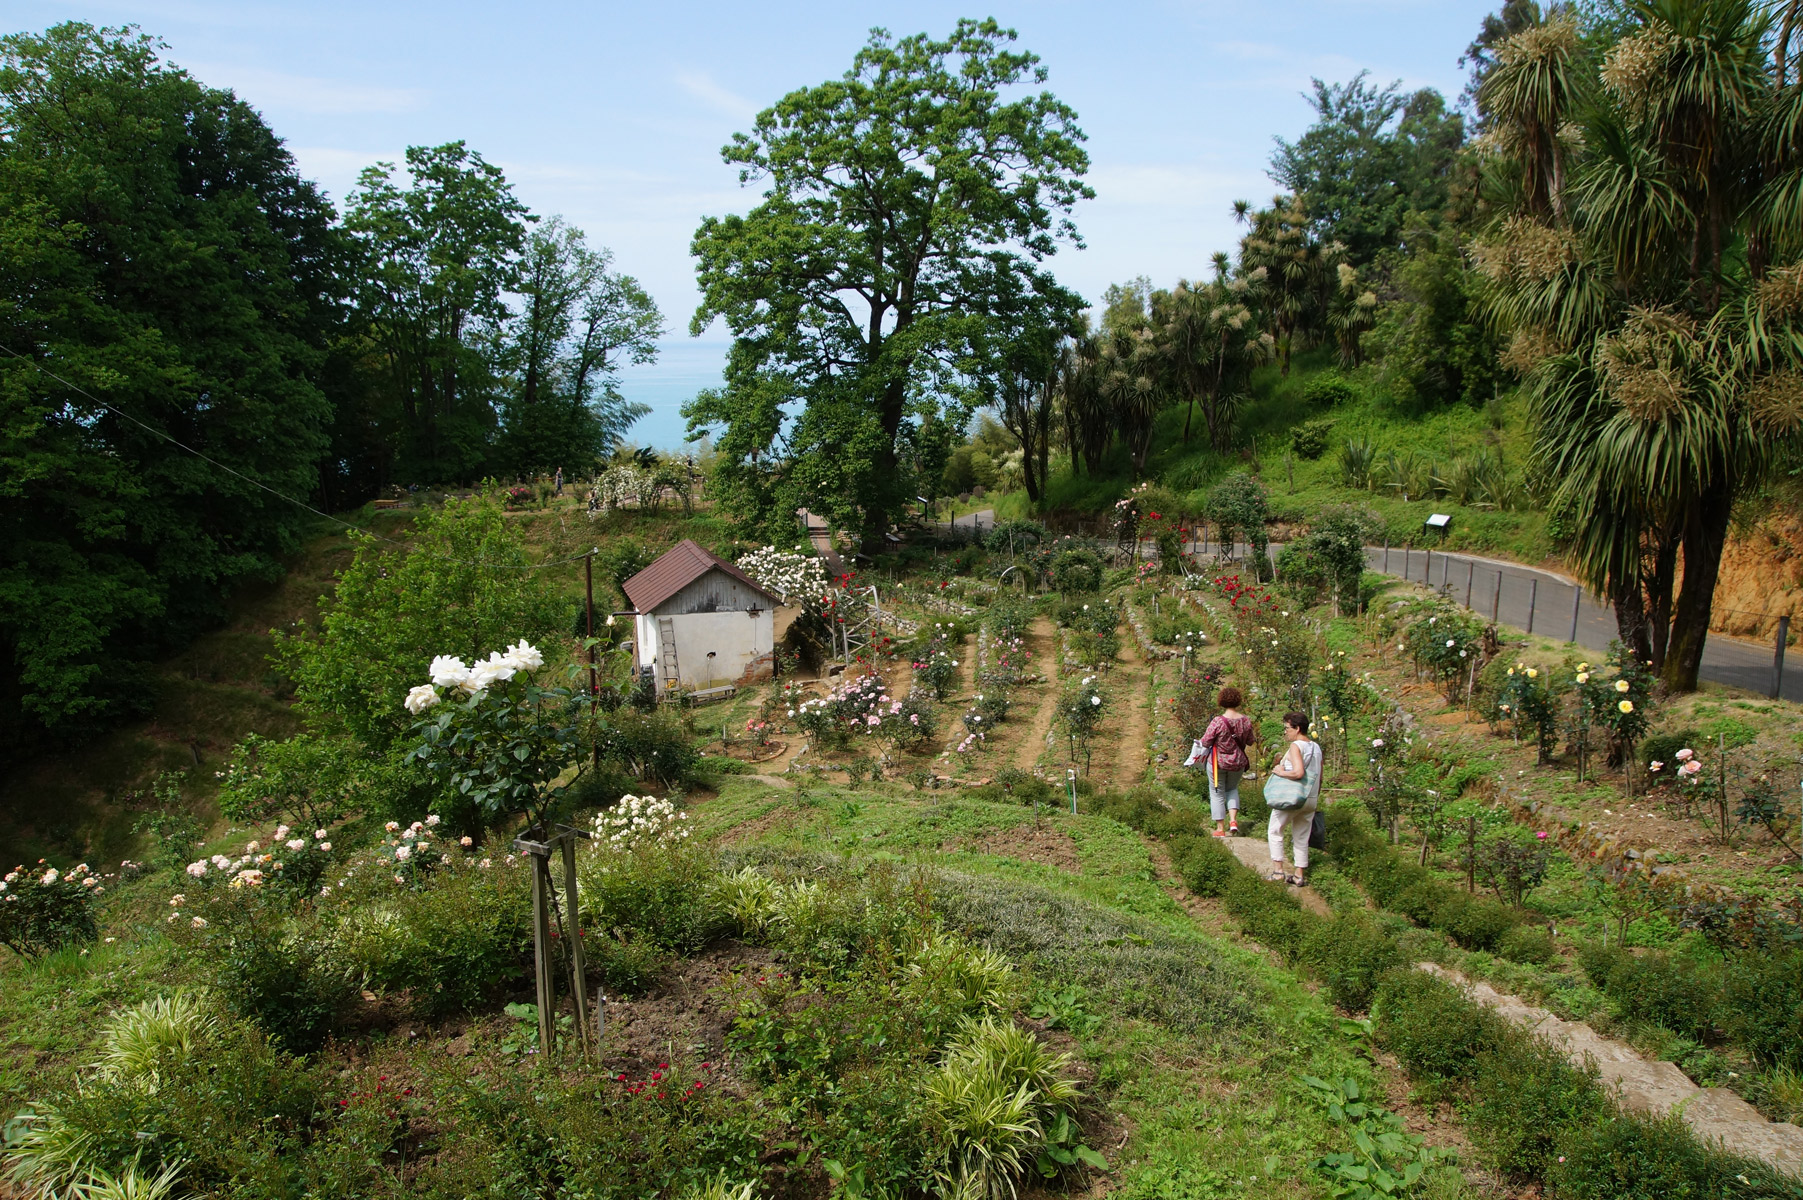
(525, 656)
(432, 819)
(403, 853)
(296, 844)
(449, 672)
(326, 846)
(421, 698)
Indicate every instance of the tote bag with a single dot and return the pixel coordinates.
(1288, 795)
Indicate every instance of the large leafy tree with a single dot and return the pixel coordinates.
(438, 253)
(1650, 270)
(576, 323)
(159, 252)
(465, 587)
(904, 203)
(1372, 157)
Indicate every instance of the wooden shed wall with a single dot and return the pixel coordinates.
(715, 591)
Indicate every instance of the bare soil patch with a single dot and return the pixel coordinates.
(1042, 843)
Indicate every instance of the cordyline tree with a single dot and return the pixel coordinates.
(1650, 271)
(905, 202)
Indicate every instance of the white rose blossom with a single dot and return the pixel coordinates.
(421, 698)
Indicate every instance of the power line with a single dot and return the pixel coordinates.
(41, 368)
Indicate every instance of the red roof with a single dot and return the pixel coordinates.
(678, 567)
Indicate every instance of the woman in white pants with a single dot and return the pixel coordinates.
(1301, 761)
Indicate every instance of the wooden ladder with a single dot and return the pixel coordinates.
(666, 652)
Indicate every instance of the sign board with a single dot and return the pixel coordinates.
(1439, 521)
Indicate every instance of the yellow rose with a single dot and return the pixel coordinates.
(1532, 673)
(1621, 685)
(1583, 666)
(1583, 676)
(1626, 706)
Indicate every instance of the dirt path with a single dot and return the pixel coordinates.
(1042, 639)
(1650, 1086)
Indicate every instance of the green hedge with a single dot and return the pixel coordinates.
(1395, 883)
(1533, 1116)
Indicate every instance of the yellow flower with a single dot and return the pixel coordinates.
(1511, 670)
(1621, 685)
(1583, 676)
(1583, 666)
(1532, 673)
(1626, 706)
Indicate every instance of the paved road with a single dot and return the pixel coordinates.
(1553, 606)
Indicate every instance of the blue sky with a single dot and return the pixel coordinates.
(614, 115)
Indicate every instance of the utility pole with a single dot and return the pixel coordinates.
(594, 691)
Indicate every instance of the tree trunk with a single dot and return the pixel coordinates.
(1705, 536)
(1630, 616)
(1659, 597)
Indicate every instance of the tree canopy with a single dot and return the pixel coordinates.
(898, 245)
(163, 257)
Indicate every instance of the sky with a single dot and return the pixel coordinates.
(613, 115)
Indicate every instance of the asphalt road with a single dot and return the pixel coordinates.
(1550, 605)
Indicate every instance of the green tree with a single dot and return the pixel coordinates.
(465, 587)
(161, 254)
(1370, 160)
(1650, 271)
(1435, 339)
(1287, 274)
(1210, 341)
(905, 201)
(578, 321)
(438, 253)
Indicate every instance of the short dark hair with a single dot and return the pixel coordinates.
(1230, 698)
(1297, 721)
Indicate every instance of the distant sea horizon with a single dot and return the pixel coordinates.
(684, 366)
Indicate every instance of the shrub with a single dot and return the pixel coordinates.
(1309, 438)
(1526, 944)
(1764, 1005)
(1204, 863)
(1633, 1155)
(1350, 953)
(1683, 996)
(1434, 1031)
(1664, 747)
(653, 746)
(266, 966)
(663, 894)
(1076, 570)
(1524, 1095)
(1329, 390)
(464, 940)
(221, 1105)
(1474, 922)
(43, 909)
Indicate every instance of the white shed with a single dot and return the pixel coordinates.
(700, 622)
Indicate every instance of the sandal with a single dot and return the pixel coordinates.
(1296, 881)
(1278, 877)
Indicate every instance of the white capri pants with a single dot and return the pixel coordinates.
(1298, 822)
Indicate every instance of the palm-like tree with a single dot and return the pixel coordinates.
(1286, 273)
(1208, 343)
(1633, 269)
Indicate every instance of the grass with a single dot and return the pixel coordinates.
(1300, 487)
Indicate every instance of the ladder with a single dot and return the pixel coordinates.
(666, 652)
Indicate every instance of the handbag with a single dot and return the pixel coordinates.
(1288, 795)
